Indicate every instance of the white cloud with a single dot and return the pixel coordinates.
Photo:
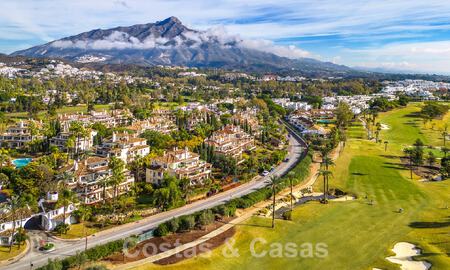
(116, 40)
(365, 22)
(120, 40)
(430, 57)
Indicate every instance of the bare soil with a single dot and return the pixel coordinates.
(157, 245)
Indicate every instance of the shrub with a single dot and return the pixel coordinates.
(187, 223)
(173, 225)
(287, 215)
(96, 267)
(62, 228)
(204, 218)
(161, 230)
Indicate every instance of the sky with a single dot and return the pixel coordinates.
(407, 35)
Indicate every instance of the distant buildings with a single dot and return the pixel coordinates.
(419, 89)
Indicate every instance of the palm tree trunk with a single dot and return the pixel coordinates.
(273, 210)
(324, 187)
(12, 235)
(64, 214)
(292, 195)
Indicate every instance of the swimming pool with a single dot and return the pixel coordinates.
(21, 162)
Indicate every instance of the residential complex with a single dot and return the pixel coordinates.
(231, 141)
(180, 163)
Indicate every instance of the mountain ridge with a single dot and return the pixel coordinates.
(169, 42)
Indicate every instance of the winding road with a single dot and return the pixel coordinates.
(35, 258)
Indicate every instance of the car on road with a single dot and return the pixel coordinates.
(286, 160)
(265, 173)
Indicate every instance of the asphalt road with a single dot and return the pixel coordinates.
(64, 248)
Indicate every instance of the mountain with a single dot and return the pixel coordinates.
(169, 42)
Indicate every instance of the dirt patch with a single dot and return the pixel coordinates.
(199, 249)
(422, 171)
(157, 245)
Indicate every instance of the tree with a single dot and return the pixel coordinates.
(80, 132)
(80, 259)
(408, 153)
(385, 145)
(104, 182)
(326, 174)
(431, 158)
(327, 161)
(444, 136)
(66, 197)
(11, 207)
(5, 158)
(291, 179)
(168, 195)
(377, 132)
(273, 183)
(117, 167)
(344, 115)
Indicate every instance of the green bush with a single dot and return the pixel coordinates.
(96, 267)
(187, 223)
(298, 174)
(287, 215)
(204, 218)
(93, 254)
(161, 230)
(173, 225)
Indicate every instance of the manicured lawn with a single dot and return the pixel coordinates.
(406, 126)
(5, 254)
(78, 231)
(67, 109)
(358, 235)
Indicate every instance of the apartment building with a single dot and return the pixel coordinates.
(180, 163)
(231, 141)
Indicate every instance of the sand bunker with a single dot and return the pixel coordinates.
(403, 255)
(384, 126)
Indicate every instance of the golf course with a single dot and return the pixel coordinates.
(359, 234)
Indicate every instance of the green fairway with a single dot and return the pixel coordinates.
(63, 110)
(405, 126)
(358, 235)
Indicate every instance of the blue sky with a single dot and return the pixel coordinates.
(395, 34)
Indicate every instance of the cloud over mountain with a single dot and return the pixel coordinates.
(169, 42)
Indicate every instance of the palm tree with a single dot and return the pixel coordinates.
(117, 167)
(273, 183)
(327, 161)
(104, 182)
(444, 136)
(377, 132)
(65, 198)
(291, 178)
(70, 146)
(4, 157)
(12, 206)
(408, 153)
(385, 145)
(79, 131)
(325, 174)
(186, 188)
(445, 151)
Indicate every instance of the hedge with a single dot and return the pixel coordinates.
(188, 222)
(299, 173)
(93, 254)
